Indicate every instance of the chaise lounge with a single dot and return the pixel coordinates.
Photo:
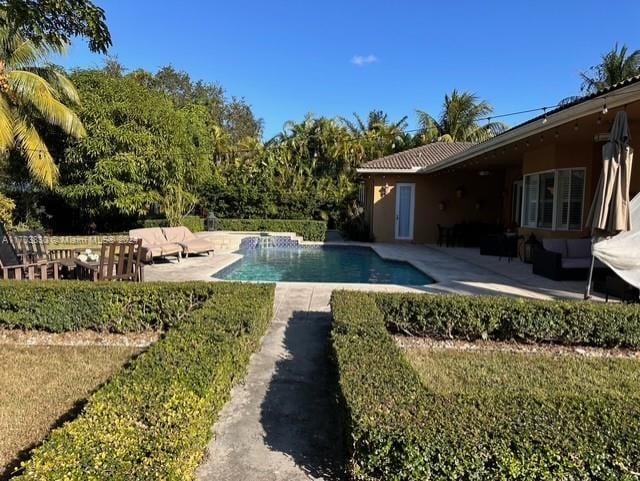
(155, 244)
(190, 243)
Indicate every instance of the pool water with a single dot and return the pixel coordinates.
(345, 264)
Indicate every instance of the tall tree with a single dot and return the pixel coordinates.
(31, 99)
(459, 120)
(377, 136)
(56, 22)
(141, 149)
(616, 65)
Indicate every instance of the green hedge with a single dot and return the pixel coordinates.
(310, 230)
(192, 222)
(113, 307)
(153, 419)
(400, 430)
(501, 318)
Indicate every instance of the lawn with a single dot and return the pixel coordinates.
(42, 385)
(550, 380)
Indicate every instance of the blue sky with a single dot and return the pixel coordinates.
(333, 57)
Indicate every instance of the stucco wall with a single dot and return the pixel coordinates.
(494, 192)
(482, 201)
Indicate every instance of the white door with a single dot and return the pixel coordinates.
(405, 203)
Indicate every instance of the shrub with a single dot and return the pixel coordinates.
(113, 307)
(153, 419)
(501, 318)
(191, 222)
(310, 230)
(399, 429)
(7, 206)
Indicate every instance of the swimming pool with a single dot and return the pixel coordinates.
(345, 264)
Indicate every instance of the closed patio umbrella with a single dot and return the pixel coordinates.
(609, 213)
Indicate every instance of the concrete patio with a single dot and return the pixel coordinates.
(455, 270)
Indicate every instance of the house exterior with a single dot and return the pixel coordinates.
(538, 177)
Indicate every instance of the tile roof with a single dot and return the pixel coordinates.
(423, 156)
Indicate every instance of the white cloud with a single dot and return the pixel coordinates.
(362, 60)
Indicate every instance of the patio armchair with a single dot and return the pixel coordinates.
(12, 267)
(155, 244)
(31, 247)
(118, 261)
(565, 259)
(190, 243)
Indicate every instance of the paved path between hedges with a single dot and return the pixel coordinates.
(282, 424)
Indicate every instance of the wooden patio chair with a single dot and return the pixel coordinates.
(12, 267)
(32, 247)
(119, 261)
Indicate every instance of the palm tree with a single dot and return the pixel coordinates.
(31, 97)
(459, 121)
(377, 136)
(614, 67)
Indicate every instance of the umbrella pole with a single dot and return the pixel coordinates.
(587, 292)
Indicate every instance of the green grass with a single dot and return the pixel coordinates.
(41, 384)
(548, 379)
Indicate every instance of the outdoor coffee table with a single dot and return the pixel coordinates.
(87, 270)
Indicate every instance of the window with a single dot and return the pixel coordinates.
(516, 202)
(554, 199)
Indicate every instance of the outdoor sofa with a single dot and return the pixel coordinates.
(565, 259)
(190, 243)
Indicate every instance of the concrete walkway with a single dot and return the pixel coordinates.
(282, 424)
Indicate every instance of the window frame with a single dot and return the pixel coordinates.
(554, 226)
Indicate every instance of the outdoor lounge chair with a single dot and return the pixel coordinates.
(12, 267)
(155, 244)
(189, 242)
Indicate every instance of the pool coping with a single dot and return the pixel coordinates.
(236, 256)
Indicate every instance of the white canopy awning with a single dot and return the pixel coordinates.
(622, 252)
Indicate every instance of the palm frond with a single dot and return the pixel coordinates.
(39, 160)
(58, 82)
(6, 125)
(33, 90)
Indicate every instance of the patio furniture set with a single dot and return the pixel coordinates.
(26, 255)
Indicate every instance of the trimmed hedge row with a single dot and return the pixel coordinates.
(192, 222)
(401, 430)
(153, 419)
(113, 307)
(310, 230)
(501, 318)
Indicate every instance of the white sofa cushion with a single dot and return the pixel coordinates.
(559, 246)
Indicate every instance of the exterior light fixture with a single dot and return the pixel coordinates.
(604, 109)
(544, 119)
(599, 121)
(557, 134)
(576, 126)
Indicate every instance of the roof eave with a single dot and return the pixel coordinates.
(583, 109)
(413, 170)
